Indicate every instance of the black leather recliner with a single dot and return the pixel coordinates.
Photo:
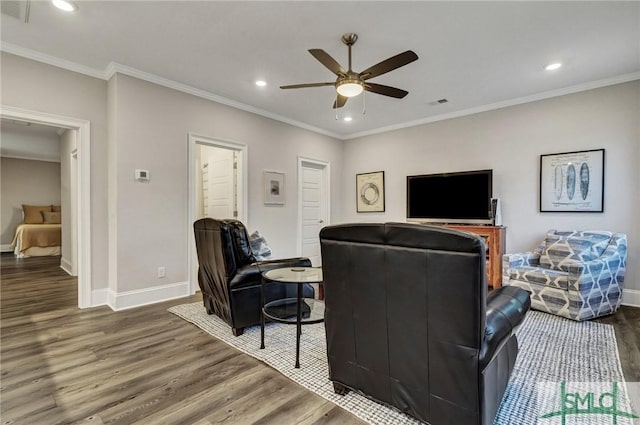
(230, 277)
(409, 323)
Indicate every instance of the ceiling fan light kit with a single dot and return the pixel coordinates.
(349, 83)
(350, 88)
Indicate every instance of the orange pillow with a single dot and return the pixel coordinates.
(51, 217)
(56, 208)
(33, 213)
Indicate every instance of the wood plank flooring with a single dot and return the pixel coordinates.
(62, 365)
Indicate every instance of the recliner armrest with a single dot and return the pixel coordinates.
(285, 262)
(531, 258)
(251, 274)
(506, 308)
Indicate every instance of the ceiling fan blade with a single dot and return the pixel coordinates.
(401, 59)
(301, 86)
(340, 101)
(385, 90)
(328, 61)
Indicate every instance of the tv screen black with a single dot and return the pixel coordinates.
(463, 197)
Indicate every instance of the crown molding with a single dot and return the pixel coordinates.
(114, 67)
(51, 60)
(504, 104)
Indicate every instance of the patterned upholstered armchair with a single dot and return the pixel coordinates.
(575, 274)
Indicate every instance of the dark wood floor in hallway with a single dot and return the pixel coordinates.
(60, 364)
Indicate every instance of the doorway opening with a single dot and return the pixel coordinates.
(79, 187)
(218, 181)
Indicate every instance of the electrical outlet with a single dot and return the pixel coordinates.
(161, 272)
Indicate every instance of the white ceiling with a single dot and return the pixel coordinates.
(478, 55)
(24, 140)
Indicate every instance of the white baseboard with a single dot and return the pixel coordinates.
(631, 297)
(66, 266)
(6, 247)
(130, 299)
(99, 297)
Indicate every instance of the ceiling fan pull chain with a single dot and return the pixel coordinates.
(364, 103)
(337, 108)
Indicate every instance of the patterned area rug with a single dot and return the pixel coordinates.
(552, 349)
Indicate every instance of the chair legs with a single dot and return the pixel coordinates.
(340, 389)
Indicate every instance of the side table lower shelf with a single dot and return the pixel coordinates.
(292, 311)
(285, 311)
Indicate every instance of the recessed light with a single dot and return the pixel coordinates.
(347, 119)
(553, 66)
(66, 5)
(261, 83)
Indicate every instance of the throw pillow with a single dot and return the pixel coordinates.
(33, 213)
(51, 217)
(259, 246)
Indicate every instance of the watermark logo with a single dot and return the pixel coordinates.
(587, 403)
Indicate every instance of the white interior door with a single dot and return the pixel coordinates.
(217, 194)
(221, 193)
(313, 190)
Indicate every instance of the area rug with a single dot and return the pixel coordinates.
(552, 350)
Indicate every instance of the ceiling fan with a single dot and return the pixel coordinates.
(350, 83)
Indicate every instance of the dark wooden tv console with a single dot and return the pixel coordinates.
(495, 240)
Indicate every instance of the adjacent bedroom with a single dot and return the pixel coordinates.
(37, 192)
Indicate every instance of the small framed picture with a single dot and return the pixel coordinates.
(370, 192)
(273, 188)
(572, 181)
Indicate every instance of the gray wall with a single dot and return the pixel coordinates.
(510, 141)
(35, 86)
(151, 125)
(26, 182)
(134, 124)
(148, 127)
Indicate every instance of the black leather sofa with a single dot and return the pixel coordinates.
(230, 277)
(409, 323)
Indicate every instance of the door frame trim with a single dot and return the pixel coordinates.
(83, 188)
(326, 182)
(199, 139)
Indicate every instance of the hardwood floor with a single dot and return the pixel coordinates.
(140, 366)
(626, 323)
(63, 365)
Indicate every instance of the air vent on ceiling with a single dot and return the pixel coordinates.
(438, 102)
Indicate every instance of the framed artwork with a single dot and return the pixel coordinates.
(572, 181)
(273, 188)
(370, 192)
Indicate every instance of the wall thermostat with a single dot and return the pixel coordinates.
(142, 175)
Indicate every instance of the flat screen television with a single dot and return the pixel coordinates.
(461, 197)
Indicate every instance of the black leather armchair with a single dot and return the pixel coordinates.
(230, 277)
(409, 323)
